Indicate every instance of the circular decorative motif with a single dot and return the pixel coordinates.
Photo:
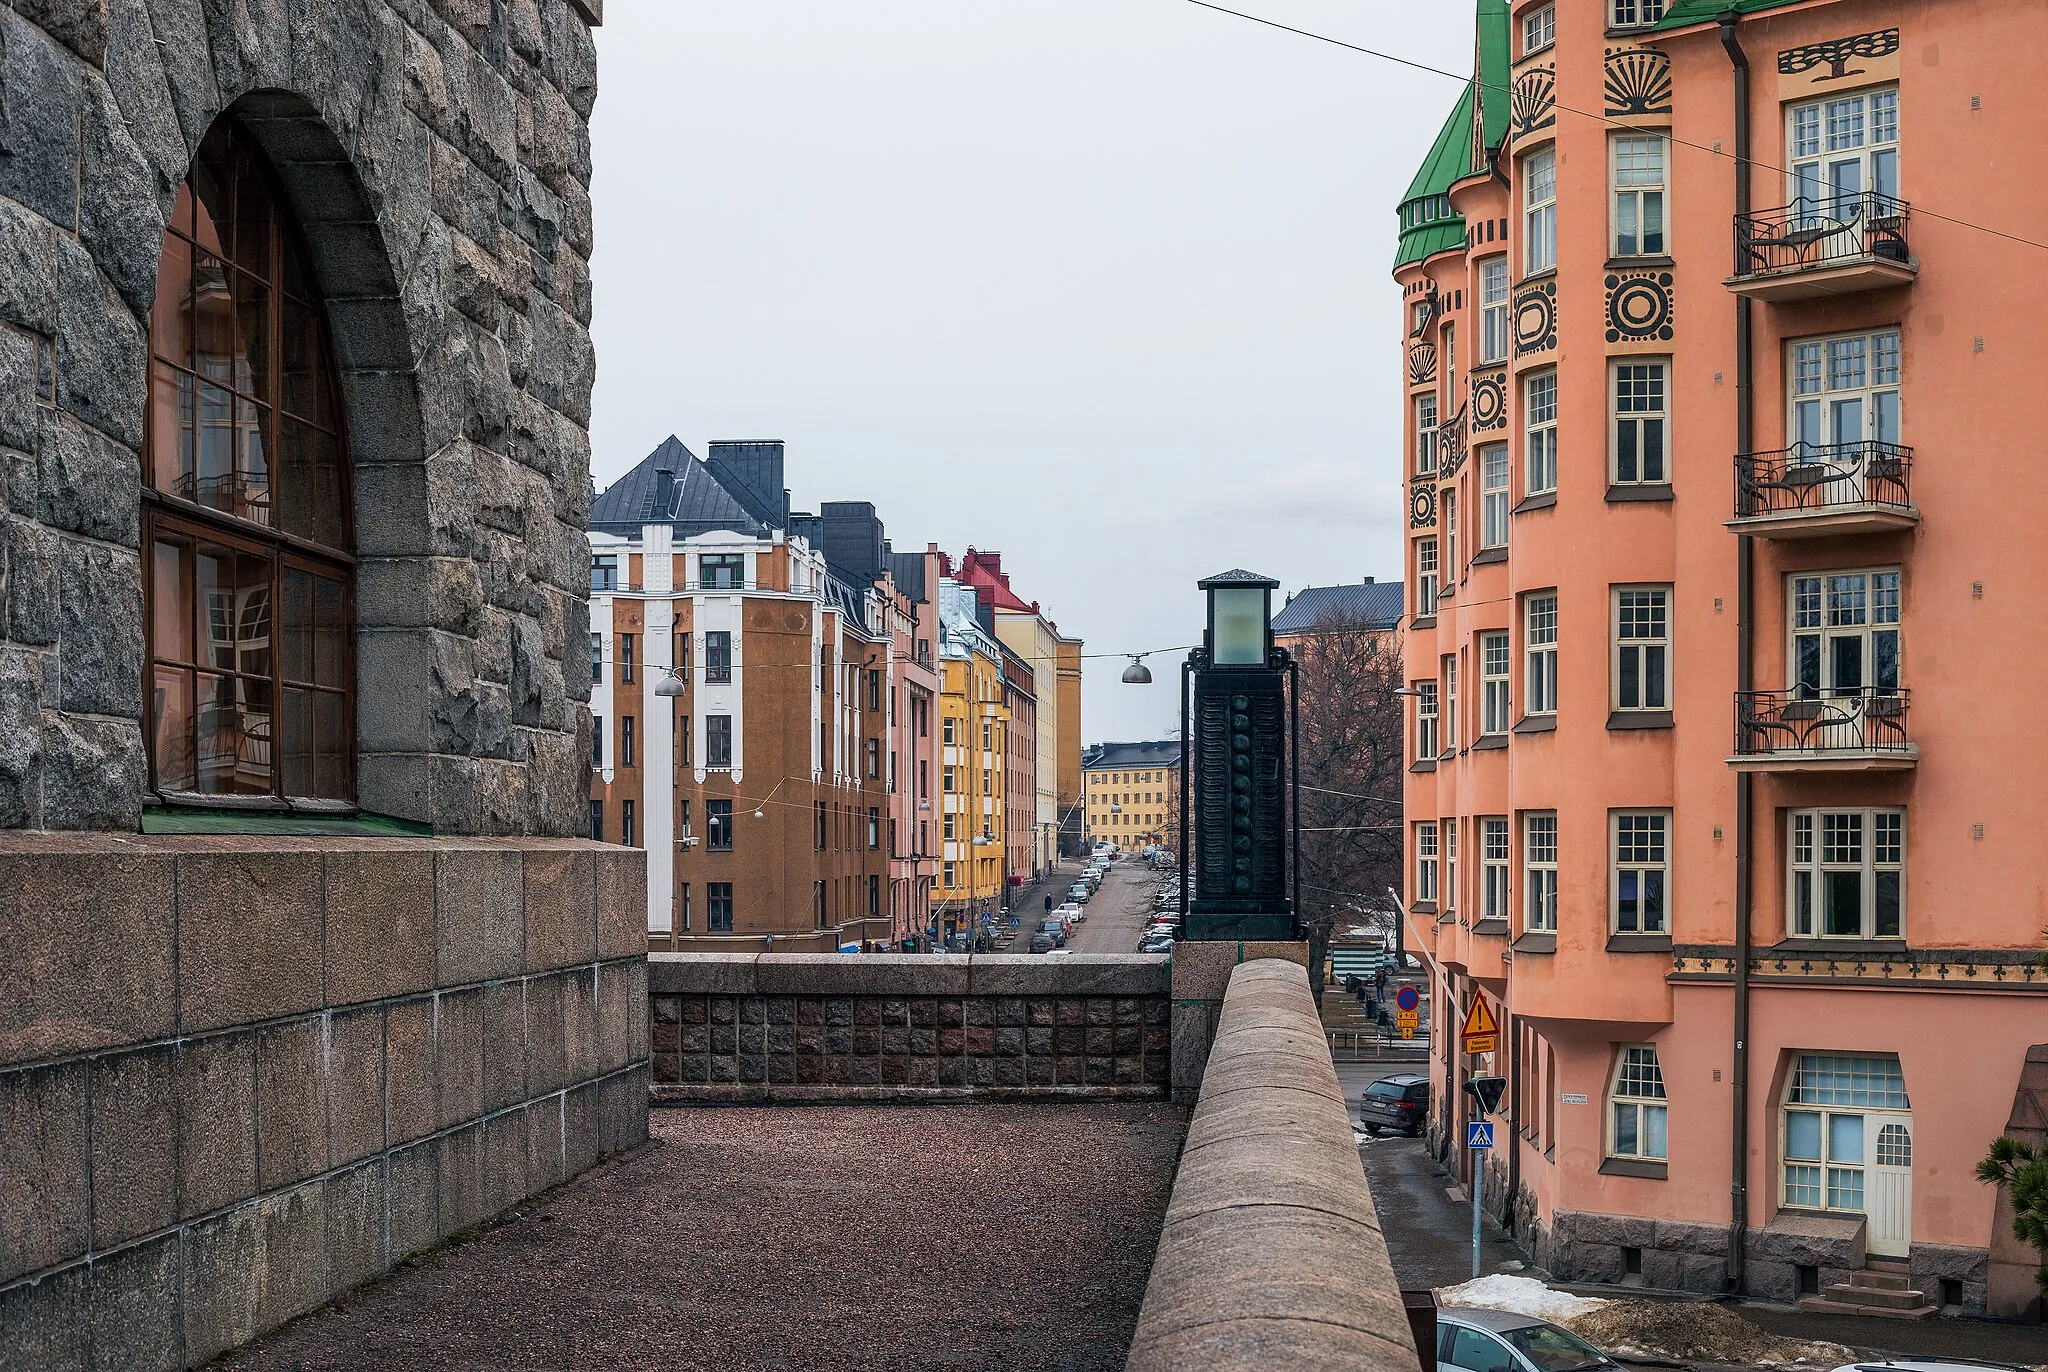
(1536, 319)
(1639, 307)
(1489, 401)
(1422, 507)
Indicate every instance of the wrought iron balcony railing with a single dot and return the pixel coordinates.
(1856, 241)
(1826, 480)
(1864, 727)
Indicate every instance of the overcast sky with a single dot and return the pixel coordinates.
(1102, 284)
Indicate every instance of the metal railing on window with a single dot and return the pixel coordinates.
(1824, 231)
(1819, 476)
(1803, 722)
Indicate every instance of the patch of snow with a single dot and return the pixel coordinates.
(1520, 1295)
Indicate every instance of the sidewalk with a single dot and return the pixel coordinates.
(1029, 904)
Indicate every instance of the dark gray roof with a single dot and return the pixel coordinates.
(1374, 604)
(1165, 753)
(671, 485)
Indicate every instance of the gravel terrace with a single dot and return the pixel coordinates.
(963, 1236)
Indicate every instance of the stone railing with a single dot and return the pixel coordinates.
(1271, 1254)
(794, 1027)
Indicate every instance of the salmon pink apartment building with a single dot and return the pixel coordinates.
(1720, 335)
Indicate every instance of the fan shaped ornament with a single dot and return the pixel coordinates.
(1535, 99)
(1638, 82)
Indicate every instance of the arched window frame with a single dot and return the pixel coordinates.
(289, 544)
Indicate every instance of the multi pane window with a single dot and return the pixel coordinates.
(1494, 658)
(718, 742)
(1843, 149)
(1539, 29)
(718, 907)
(604, 572)
(1493, 496)
(597, 821)
(722, 571)
(1636, 1106)
(1539, 432)
(626, 835)
(1425, 861)
(718, 825)
(1826, 1126)
(1425, 435)
(1845, 633)
(1848, 874)
(1448, 831)
(247, 576)
(718, 656)
(1448, 503)
(1539, 637)
(1641, 420)
(1493, 867)
(1493, 310)
(597, 740)
(1425, 577)
(1425, 721)
(1642, 870)
(1642, 648)
(626, 657)
(1539, 872)
(1539, 211)
(1450, 679)
(1631, 14)
(596, 658)
(1639, 196)
(1844, 390)
(625, 740)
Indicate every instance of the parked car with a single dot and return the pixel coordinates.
(1155, 943)
(1073, 912)
(1469, 1340)
(1054, 929)
(1079, 893)
(1398, 1103)
(1041, 943)
(1930, 1362)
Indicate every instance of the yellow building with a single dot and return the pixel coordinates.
(970, 890)
(1067, 748)
(1133, 792)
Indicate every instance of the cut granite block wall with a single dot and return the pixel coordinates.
(436, 154)
(238, 1077)
(788, 1027)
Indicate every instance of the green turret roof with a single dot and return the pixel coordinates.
(1701, 11)
(1427, 224)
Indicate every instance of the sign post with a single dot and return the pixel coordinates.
(1486, 1093)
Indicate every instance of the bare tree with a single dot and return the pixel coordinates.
(1351, 776)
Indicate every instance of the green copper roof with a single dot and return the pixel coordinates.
(1704, 11)
(1494, 78)
(1427, 224)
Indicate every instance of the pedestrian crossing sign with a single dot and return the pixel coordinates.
(1478, 1134)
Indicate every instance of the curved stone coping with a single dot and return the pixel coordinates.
(1271, 1254)
(906, 974)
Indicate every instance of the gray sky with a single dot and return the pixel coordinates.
(1102, 284)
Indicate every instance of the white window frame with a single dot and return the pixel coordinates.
(1450, 713)
(1539, 871)
(1635, 14)
(1496, 661)
(1831, 1087)
(1539, 211)
(1843, 389)
(1495, 846)
(1641, 609)
(1426, 741)
(1539, 29)
(1447, 518)
(1640, 225)
(1824, 138)
(1539, 644)
(1426, 573)
(1493, 496)
(1639, 855)
(1639, 421)
(1447, 832)
(1493, 310)
(1425, 434)
(1817, 846)
(1636, 1095)
(1856, 609)
(1539, 433)
(1425, 861)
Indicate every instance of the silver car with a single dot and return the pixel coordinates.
(1470, 1340)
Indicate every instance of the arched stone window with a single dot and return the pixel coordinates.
(248, 563)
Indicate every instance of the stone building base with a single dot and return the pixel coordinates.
(239, 1076)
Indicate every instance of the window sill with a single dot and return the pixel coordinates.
(1543, 500)
(1422, 907)
(1644, 494)
(1635, 1167)
(1539, 942)
(1547, 274)
(1639, 719)
(1487, 743)
(1834, 947)
(255, 805)
(1622, 264)
(1422, 622)
(1486, 557)
(1427, 764)
(1490, 927)
(1639, 943)
(1536, 724)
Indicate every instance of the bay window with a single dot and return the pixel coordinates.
(1641, 872)
(1640, 422)
(1425, 721)
(1539, 872)
(1642, 648)
(1539, 211)
(1493, 867)
(1494, 657)
(1493, 310)
(1493, 496)
(1425, 577)
(1639, 189)
(1539, 433)
(1425, 861)
(1539, 639)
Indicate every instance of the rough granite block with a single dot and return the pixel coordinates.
(561, 928)
(355, 1084)
(44, 1195)
(355, 1207)
(622, 1015)
(504, 1160)
(222, 1277)
(544, 1142)
(464, 1192)
(249, 936)
(579, 1024)
(504, 1035)
(621, 900)
(134, 1161)
(87, 944)
(135, 1312)
(410, 1072)
(216, 1122)
(459, 1058)
(291, 1103)
(479, 914)
(380, 924)
(413, 1189)
(44, 1324)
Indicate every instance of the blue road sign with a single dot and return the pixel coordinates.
(1407, 998)
(1478, 1134)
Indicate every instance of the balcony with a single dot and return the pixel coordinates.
(1860, 730)
(1836, 245)
(1820, 490)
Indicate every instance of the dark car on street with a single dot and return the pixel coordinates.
(1041, 943)
(1054, 929)
(1396, 1104)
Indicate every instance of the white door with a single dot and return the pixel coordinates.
(1889, 1168)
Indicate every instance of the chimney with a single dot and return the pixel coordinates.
(752, 472)
(1368, 581)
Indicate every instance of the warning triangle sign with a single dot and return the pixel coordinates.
(1479, 1021)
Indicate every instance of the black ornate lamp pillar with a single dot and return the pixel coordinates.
(1238, 743)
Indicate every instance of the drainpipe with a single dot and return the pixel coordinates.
(1745, 576)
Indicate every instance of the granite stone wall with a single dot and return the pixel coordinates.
(436, 154)
(239, 1077)
(788, 1027)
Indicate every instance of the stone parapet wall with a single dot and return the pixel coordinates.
(795, 1027)
(240, 1076)
(1271, 1256)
